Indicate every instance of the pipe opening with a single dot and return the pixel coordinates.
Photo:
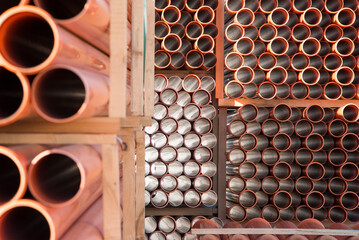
(279, 46)
(160, 82)
(270, 213)
(202, 183)
(300, 61)
(244, 17)
(337, 214)
(162, 59)
(251, 32)
(244, 75)
(211, 30)
(201, 97)
(191, 169)
(303, 156)
(247, 170)
(209, 199)
(192, 198)
(312, 16)
(205, 14)
(266, 61)
(300, 32)
(282, 170)
(300, 90)
(267, 90)
(337, 186)
(172, 43)
(349, 171)
(171, 14)
(317, 33)
(270, 127)
(234, 89)
(281, 142)
(311, 46)
(63, 10)
(161, 4)
(350, 200)
(244, 46)
(303, 212)
(234, 32)
(194, 59)
(194, 4)
(351, 113)
(236, 185)
(350, 142)
(315, 171)
(11, 93)
(267, 32)
(247, 199)
(10, 176)
(180, 4)
(56, 178)
(270, 185)
(167, 224)
(159, 140)
(344, 76)
(286, 156)
(168, 154)
(248, 112)
(192, 141)
(344, 47)
(337, 128)
(310, 76)
(282, 112)
(202, 154)
(233, 61)
(337, 157)
(314, 142)
(237, 127)
(39, 42)
(250, 90)
(350, 32)
(250, 61)
(15, 224)
(169, 96)
(279, 16)
(205, 43)
(209, 60)
(283, 61)
(237, 213)
(270, 156)
(194, 30)
(332, 91)
(282, 199)
(304, 185)
(314, 113)
(333, 33)
(284, 32)
(177, 60)
(315, 200)
(349, 91)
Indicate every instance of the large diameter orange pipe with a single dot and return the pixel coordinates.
(63, 176)
(13, 166)
(89, 226)
(49, 43)
(47, 223)
(88, 19)
(15, 101)
(64, 93)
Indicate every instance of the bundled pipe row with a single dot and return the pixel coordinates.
(45, 191)
(293, 163)
(262, 223)
(185, 33)
(173, 228)
(55, 62)
(298, 49)
(179, 143)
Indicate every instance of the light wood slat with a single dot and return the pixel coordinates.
(140, 184)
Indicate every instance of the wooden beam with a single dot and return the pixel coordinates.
(137, 49)
(118, 59)
(111, 192)
(220, 50)
(180, 211)
(150, 59)
(129, 188)
(221, 166)
(140, 184)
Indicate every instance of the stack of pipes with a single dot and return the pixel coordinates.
(185, 33)
(50, 188)
(174, 228)
(55, 62)
(179, 143)
(293, 163)
(262, 223)
(299, 49)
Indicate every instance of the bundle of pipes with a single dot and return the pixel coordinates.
(185, 33)
(176, 228)
(293, 163)
(51, 188)
(298, 49)
(310, 223)
(55, 61)
(179, 143)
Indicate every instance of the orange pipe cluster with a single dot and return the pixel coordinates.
(179, 143)
(291, 49)
(46, 190)
(185, 33)
(293, 163)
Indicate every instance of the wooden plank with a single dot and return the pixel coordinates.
(274, 231)
(89, 125)
(180, 211)
(220, 50)
(183, 73)
(118, 59)
(221, 166)
(17, 138)
(150, 59)
(140, 184)
(294, 103)
(129, 188)
(111, 192)
(216, 130)
(137, 36)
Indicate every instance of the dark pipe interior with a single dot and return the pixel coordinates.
(60, 9)
(61, 94)
(11, 93)
(9, 177)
